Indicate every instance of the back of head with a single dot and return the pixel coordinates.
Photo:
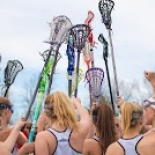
(104, 121)
(59, 108)
(131, 114)
(4, 103)
(4, 100)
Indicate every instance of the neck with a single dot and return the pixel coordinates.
(3, 122)
(57, 127)
(131, 133)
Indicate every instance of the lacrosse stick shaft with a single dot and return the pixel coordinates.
(113, 62)
(6, 91)
(41, 94)
(38, 85)
(70, 69)
(70, 86)
(77, 73)
(109, 83)
(53, 70)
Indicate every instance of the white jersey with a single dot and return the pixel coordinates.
(63, 143)
(130, 145)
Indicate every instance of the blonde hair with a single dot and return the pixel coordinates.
(59, 108)
(131, 113)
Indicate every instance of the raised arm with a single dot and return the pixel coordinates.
(11, 140)
(85, 119)
(150, 76)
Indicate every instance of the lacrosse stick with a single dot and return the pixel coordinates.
(79, 34)
(74, 81)
(45, 55)
(91, 37)
(94, 77)
(88, 52)
(59, 27)
(62, 20)
(55, 58)
(105, 56)
(71, 62)
(12, 69)
(105, 8)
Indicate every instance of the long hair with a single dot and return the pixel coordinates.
(131, 113)
(60, 109)
(104, 121)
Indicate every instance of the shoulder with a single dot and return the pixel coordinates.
(91, 145)
(43, 134)
(148, 138)
(45, 143)
(147, 143)
(114, 148)
(4, 133)
(46, 136)
(89, 142)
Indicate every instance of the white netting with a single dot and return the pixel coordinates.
(79, 35)
(46, 53)
(105, 8)
(95, 77)
(59, 28)
(12, 69)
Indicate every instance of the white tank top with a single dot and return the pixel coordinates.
(63, 143)
(130, 145)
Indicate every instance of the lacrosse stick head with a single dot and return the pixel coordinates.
(105, 8)
(94, 77)
(59, 28)
(88, 21)
(89, 18)
(105, 45)
(79, 33)
(46, 53)
(11, 70)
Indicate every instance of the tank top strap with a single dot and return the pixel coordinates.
(129, 146)
(61, 135)
(96, 138)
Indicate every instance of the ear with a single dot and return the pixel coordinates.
(6, 111)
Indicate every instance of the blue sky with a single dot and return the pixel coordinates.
(24, 27)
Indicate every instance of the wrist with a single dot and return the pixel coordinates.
(17, 128)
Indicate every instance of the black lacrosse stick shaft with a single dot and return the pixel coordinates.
(6, 91)
(105, 56)
(109, 82)
(77, 73)
(114, 63)
(53, 69)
